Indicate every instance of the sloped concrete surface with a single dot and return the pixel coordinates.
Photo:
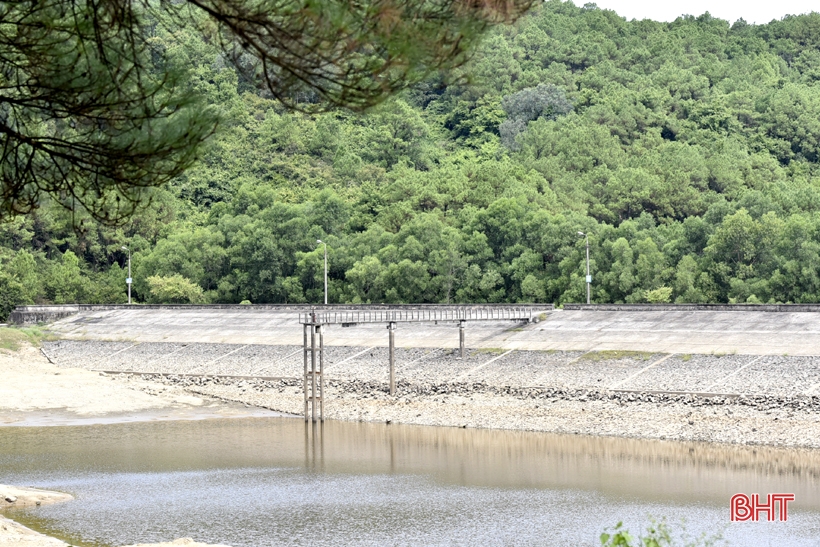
(629, 371)
(696, 332)
(653, 331)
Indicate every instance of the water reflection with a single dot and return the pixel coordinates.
(368, 484)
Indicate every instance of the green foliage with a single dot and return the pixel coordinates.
(102, 101)
(657, 534)
(90, 127)
(12, 338)
(174, 289)
(661, 295)
(12, 293)
(65, 284)
(686, 151)
(529, 104)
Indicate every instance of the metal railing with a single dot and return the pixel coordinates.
(472, 313)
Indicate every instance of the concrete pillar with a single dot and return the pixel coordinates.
(321, 374)
(305, 355)
(461, 337)
(313, 329)
(391, 328)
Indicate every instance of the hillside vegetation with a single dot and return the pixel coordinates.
(688, 151)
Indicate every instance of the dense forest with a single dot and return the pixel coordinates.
(688, 151)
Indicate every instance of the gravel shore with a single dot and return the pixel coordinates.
(743, 399)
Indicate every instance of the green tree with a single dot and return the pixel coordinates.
(12, 294)
(529, 104)
(96, 111)
(23, 269)
(174, 289)
(65, 283)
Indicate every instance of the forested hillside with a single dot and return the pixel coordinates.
(688, 151)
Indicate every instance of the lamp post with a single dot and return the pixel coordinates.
(128, 279)
(325, 244)
(589, 277)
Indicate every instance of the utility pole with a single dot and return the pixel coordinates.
(589, 277)
(128, 279)
(325, 244)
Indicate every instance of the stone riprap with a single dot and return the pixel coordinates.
(699, 373)
(721, 398)
(608, 370)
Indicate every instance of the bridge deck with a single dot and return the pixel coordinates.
(465, 313)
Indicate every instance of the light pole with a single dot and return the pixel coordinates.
(128, 279)
(589, 277)
(325, 244)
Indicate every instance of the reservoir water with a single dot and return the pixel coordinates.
(274, 481)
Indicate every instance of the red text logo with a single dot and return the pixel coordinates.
(776, 507)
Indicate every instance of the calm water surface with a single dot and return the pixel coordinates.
(272, 481)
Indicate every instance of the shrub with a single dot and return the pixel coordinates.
(174, 289)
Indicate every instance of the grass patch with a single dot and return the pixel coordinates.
(494, 351)
(615, 354)
(11, 338)
(686, 357)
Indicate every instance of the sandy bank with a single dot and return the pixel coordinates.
(31, 383)
(12, 496)
(15, 534)
(12, 533)
(34, 391)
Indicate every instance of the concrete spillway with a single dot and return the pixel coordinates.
(664, 330)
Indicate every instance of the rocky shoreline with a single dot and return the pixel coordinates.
(732, 398)
(789, 421)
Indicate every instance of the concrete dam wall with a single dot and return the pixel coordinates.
(719, 329)
(733, 374)
(703, 329)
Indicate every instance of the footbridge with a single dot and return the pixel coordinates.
(314, 321)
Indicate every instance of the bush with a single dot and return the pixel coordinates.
(12, 294)
(658, 534)
(661, 295)
(174, 289)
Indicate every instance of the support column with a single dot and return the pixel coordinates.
(391, 328)
(305, 355)
(461, 337)
(313, 329)
(321, 374)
